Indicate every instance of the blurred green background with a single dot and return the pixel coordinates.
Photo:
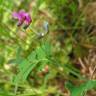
(49, 65)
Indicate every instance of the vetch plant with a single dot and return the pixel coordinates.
(40, 63)
(25, 18)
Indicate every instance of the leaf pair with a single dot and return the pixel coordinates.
(40, 55)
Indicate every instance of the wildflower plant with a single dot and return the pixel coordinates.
(41, 53)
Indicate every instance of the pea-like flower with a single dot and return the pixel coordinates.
(23, 17)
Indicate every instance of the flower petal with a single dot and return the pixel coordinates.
(27, 19)
(15, 15)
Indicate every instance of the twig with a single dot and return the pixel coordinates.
(82, 64)
(92, 74)
(80, 4)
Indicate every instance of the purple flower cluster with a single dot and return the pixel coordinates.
(23, 17)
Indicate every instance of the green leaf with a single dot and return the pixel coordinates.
(81, 89)
(40, 53)
(73, 7)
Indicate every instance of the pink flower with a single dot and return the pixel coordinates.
(23, 17)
